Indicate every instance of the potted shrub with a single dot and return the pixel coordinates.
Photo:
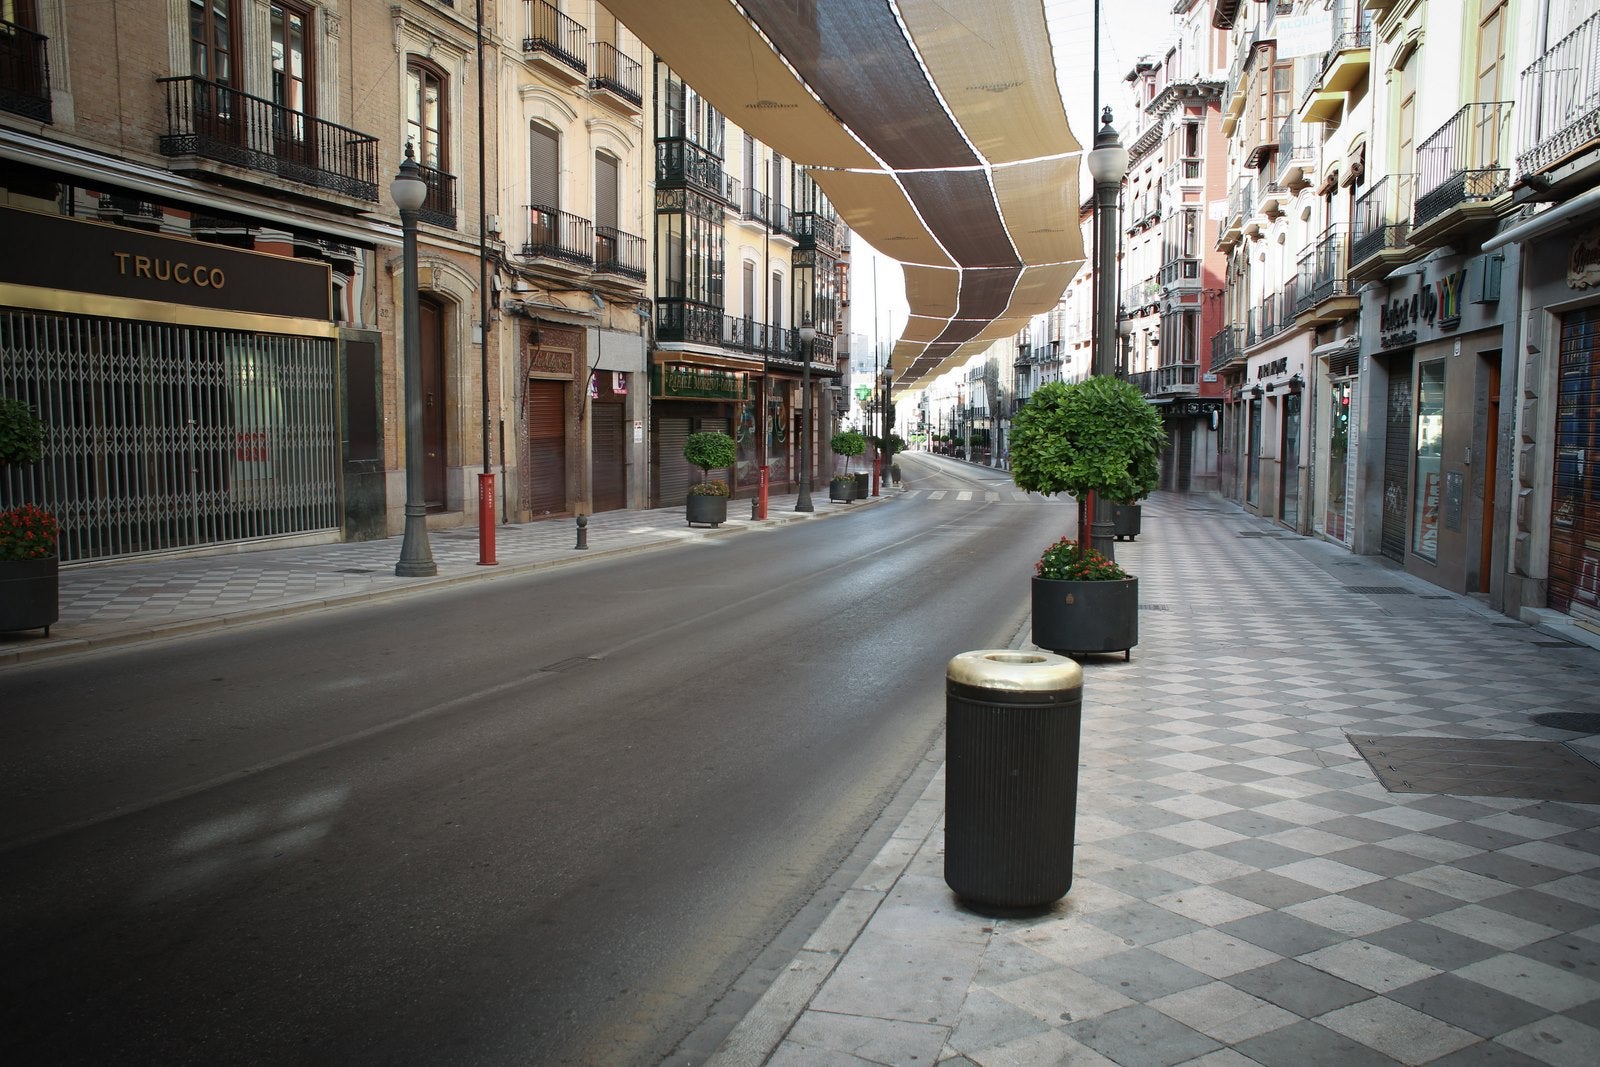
(1097, 436)
(708, 499)
(848, 443)
(29, 560)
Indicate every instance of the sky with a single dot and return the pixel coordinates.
(1128, 29)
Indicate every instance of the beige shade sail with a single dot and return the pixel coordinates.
(934, 126)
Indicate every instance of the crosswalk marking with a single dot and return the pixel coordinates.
(964, 495)
(937, 494)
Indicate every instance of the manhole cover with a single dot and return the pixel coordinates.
(1466, 767)
(1376, 590)
(1579, 722)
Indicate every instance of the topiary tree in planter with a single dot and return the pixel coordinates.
(1097, 436)
(708, 499)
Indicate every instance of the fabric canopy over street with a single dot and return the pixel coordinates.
(934, 126)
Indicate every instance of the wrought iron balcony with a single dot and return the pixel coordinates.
(548, 32)
(1322, 273)
(1226, 347)
(756, 206)
(1382, 226)
(556, 235)
(1561, 100)
(680, 162)
(816, 229)
(686, 321)
(212, 121)
(1297, 154)
(619, 253)
(440, 206)
(1141, 295)
(24, 72)
(1465, 160)
(617, 73)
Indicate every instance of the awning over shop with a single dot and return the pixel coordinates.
(934, 126)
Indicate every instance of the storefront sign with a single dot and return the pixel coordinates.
(1437, 303)
(1273, 369)
(56, 252)
(683, 381)
(550, 362)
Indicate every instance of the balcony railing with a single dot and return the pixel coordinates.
(756, 206)
(680, 162)
(24, 72)
(1296, 153)
(1141, 295)
(439, 207)
(1242, 200)
(688, 321)
(1322, 270)
(1465, 160)
(213, 121)
(617, 73)
(1561, 99)
(1383, 216)
(616, 252)
(1225, 347)
(816, 228)
(546, 30)
(555, 234)
(1145, 380)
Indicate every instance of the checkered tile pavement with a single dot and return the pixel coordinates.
(1245, 890)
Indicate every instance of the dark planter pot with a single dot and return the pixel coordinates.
(707, 510)
(1125, 519)
(863, 485)
(1073, 618)
(842, 490)
(30, 593)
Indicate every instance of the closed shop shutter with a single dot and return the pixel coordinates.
(608, 462)
(1575, 501)
(546, 485)
(1397, 461)
(673, 473)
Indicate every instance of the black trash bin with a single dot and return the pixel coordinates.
(1011, 776)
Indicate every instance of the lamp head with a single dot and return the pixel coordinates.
(1108, 162)
(408, 189)
(808, 332)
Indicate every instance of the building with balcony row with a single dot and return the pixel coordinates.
(203, 284)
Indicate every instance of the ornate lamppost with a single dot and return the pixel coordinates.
(808, 334)
(1108, 164)
(416, 558)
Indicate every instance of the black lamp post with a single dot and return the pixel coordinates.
(1108, 163)
(808, 334)
(416, 558)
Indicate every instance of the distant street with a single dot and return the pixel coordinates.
(548, 818)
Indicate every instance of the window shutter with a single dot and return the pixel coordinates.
(605, 190)
(544, 167)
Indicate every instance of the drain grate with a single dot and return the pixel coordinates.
(1474, 767)
(1579, 722)
(1155, 607)
(357, 570)
(1376, 590)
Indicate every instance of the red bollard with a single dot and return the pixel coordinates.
(486, 520)
(766, 473)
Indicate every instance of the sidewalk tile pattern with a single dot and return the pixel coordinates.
(1246, 888)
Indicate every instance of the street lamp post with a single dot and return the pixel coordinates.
(416, 558)
(808, 334)
(1108, 163)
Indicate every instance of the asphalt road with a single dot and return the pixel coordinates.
(550, 818)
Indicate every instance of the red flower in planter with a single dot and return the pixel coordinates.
(27, 531)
